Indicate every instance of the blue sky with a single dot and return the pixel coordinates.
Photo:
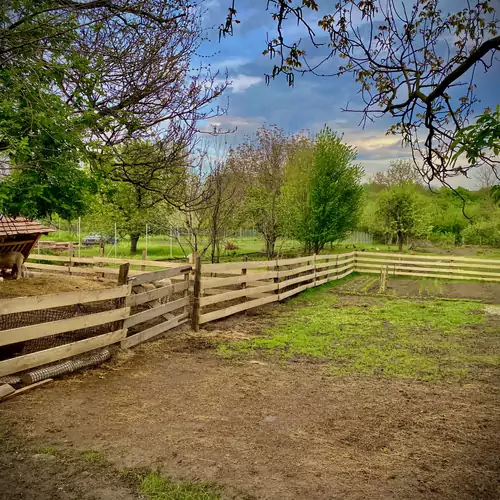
(311, 103)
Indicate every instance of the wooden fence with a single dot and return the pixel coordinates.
(429, 266)
(43, 330)
(96, 266)
(130, 313)
(252, 284)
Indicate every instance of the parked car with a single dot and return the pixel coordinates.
(98, 238)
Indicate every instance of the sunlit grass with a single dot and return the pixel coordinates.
(154, 486)
(425, 340)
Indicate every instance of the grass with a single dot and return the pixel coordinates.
(428, 340)
(154, 486)
(48, 450)
(94, 457)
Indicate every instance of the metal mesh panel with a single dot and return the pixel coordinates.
(17, 320)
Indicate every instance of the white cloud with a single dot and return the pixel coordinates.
(240, 83)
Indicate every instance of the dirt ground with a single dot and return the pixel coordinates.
(259, 429)
(424, 288)
(40, 284)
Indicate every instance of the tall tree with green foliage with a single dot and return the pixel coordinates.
(322, 195)
(401, 212)
(80, 78)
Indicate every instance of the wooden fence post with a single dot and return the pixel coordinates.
(100, 264)
(123, 274)
(195, 314)
(277, 279)
(244, 272)
(144, 257)
(314, 264)
(70, 255)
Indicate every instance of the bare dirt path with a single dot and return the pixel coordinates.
(260, 430)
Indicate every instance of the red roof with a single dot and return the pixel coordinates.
(10, 226)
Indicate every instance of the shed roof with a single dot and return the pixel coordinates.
(10, 226)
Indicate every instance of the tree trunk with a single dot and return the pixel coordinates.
(400, 241)
(134, 238)
(269, 249)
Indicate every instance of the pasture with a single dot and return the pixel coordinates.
(337, 392)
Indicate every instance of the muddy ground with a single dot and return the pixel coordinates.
(423, 288)
(259, 429)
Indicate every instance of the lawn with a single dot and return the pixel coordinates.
(162, 247)
(416, 339)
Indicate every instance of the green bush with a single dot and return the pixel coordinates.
(483, 233)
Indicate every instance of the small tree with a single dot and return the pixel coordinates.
(323, 192)
(263, 158)
(400, 170)
(400, 212)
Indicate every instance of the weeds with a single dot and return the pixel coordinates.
(94, 457)
(156, 487)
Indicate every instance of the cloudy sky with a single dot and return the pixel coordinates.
(313, 101)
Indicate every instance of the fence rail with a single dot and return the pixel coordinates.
(152, 303)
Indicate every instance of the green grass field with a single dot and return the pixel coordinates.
(423, 340)
(162, 248)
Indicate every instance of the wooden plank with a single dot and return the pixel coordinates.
(297, 260)
(60, 326)
(5, 390)
(333, 271)
(234, 294)
(427, 263)
(24, 304)
(334, 278)
(158, 293)
(298, 270)
(222, 313)
(154, 331)
(29, 387)
(333, 264)
(57, 258)
(143, 316)
(47, 267)
(139, 262)
(293, 281)
(236, 280)
(403, 267)
(427, 275)
(21, 363)
(289, 293)
(221, 268)
(335, 255)
(430, 257)
(160, 275)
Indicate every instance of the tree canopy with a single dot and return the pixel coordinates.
(80, 79)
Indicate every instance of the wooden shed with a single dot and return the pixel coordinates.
(19, 234)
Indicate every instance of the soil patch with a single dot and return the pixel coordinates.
(422, 288)
(262, 430)
(49, 283)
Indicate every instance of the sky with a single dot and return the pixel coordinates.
(311, 103)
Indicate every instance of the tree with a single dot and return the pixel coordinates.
(262, 158)
(131, 208)
(101, 73)
(485, 177)
(402, 59)
(399, 171)
(401, 212)
(322, 192)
